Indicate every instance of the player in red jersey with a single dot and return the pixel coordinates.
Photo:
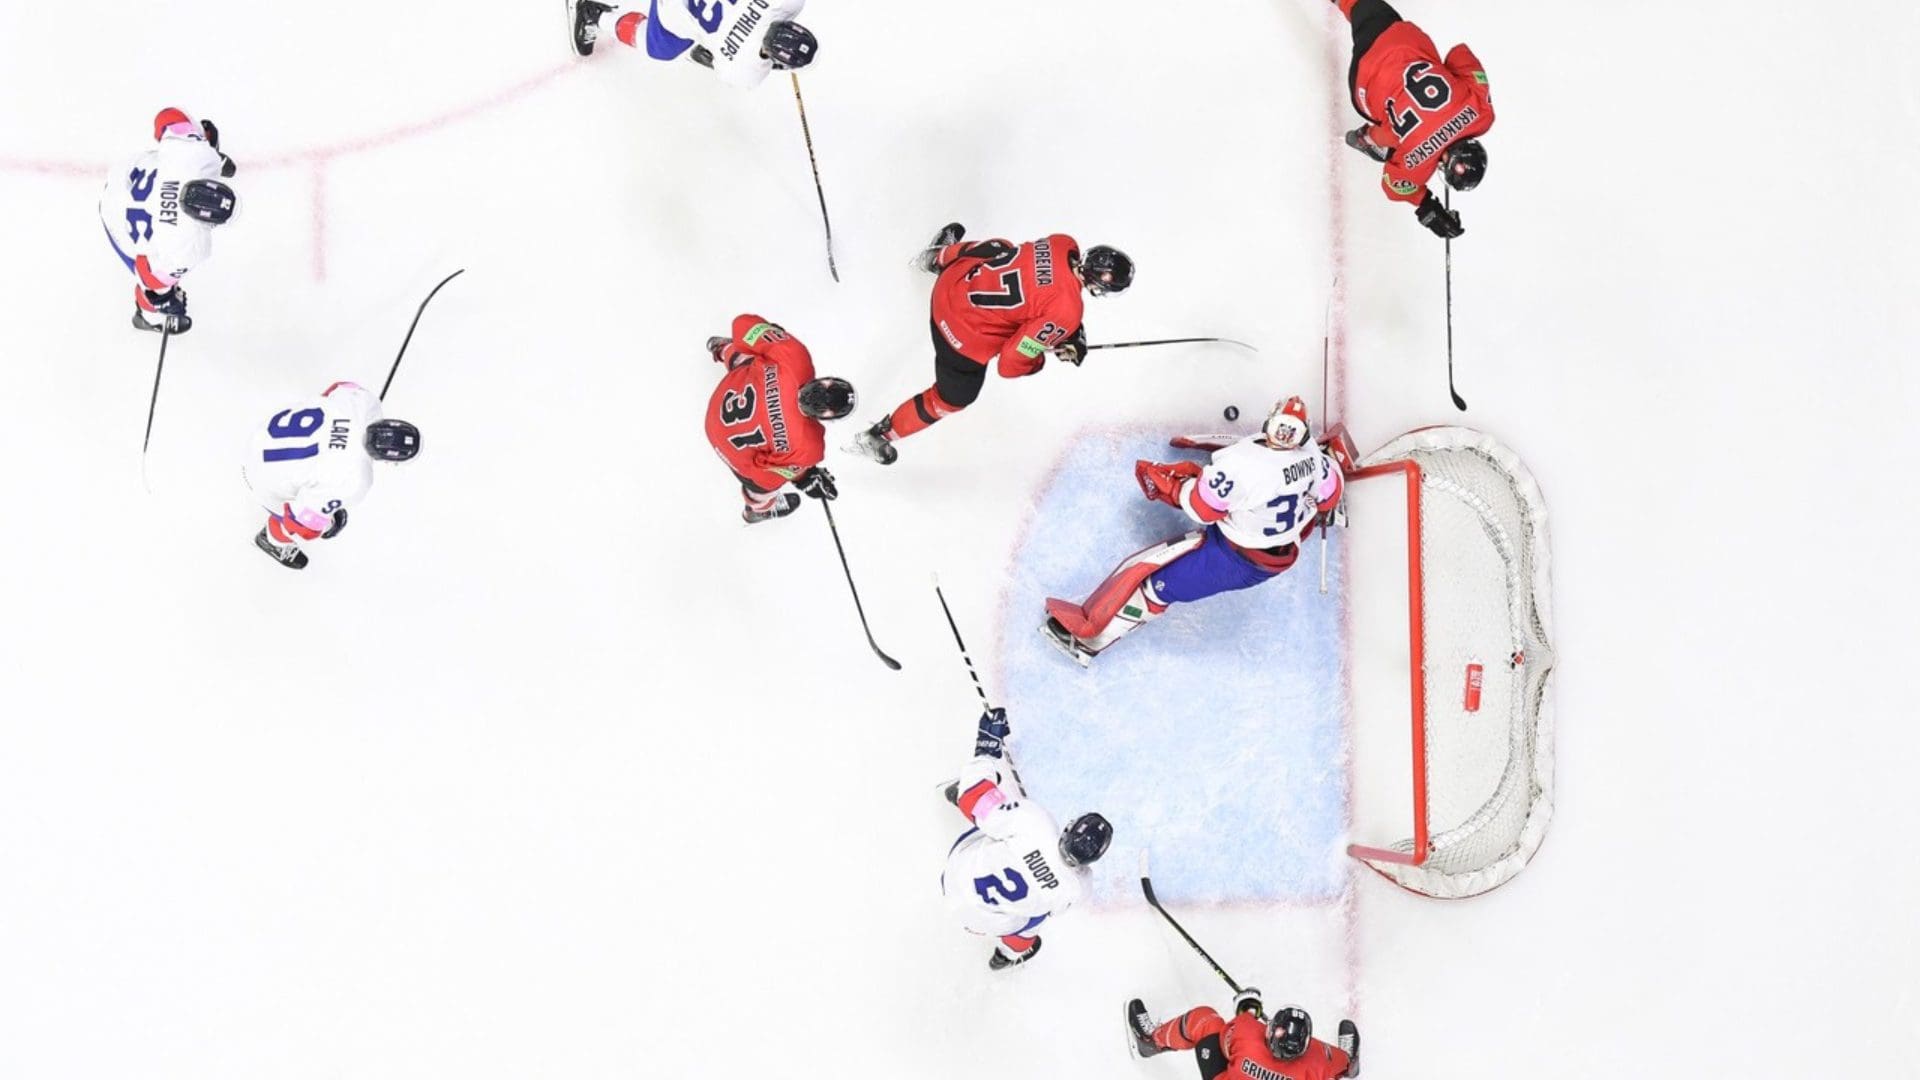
(1000, 304)
(1423, 112)
(764, 417)
(1249, 1046)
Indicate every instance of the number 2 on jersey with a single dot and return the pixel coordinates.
(1013, 890)
(287, 424)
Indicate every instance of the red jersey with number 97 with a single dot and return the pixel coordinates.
(1013, 308)
(753, 419)
(1420, 104)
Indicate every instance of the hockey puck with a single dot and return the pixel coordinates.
(1231, 414)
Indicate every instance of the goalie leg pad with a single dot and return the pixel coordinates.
(1124, 591)
(1213, 567)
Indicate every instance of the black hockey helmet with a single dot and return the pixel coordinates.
(789, 45)
(392, 440)
(1288, 1032)
(1465, 165)
(209, 201)
(1106, 270)
(827, 398)
(1086, 839)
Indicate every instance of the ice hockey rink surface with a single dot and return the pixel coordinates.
(549, 768)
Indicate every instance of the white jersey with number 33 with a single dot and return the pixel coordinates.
(1006, 873)
(1269, 495)
(312, 456)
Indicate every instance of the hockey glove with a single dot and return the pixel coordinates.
(818, 483)
(703, 56)
(992, 740)
(1335, 516)
(1439, 220)
(1074, 349)
(1357, 138)
(339, 523)
(1248, 1001)
(1161, 483)
(171, 302)
(212, 134)
(717, 347)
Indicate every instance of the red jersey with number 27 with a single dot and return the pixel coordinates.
(753, 419)
(1011, 309)
(1420, 104)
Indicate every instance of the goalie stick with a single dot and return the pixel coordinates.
(1146, 886)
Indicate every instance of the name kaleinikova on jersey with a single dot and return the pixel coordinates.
(776, 413)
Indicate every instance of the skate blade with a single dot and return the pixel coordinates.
(1077, 655)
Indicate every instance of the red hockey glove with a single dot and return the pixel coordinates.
(1161, 483)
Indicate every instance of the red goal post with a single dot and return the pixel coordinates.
(1478, 625)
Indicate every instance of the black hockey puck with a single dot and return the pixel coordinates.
(1232, 413)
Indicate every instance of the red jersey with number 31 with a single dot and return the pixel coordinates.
(753, 419)
(1012, 308)
(1420, 104)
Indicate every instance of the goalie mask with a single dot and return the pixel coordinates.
(1286, 426)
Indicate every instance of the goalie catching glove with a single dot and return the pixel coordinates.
(1161, 483)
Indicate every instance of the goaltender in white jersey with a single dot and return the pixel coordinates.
(1255, 500)
(1015, 868)
(741, 40)
(160, 210)
(314, 459)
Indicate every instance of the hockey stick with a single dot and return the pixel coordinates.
(1171, 341)
(166, 331)
(1458, 401)
(955, 627)
(1146, 886)
(884, 658)
(395, 370)
(806, 132)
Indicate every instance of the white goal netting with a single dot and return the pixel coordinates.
(1479, 613)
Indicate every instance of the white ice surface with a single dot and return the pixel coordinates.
(548, 768)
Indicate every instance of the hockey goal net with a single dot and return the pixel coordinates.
(1478, 624)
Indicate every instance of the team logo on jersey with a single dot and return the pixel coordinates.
(1400, 187)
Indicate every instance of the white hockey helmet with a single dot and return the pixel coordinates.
(1286, 426)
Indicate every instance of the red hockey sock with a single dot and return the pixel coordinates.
(1016, 944)
(628, 28)
(920, 412)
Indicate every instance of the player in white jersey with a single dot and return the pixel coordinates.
(1015, 867)
(314, 459)
(741, 40)
(1257, 498)
(160, 210)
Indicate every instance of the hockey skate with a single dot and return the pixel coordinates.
(583, 24)
(929, 258)
(786, 504)
(1001, 959)
(172, 324)
(874, 445)
(1350, 1042)
(289, 556)
(1140, 1027)
(1065, 641)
